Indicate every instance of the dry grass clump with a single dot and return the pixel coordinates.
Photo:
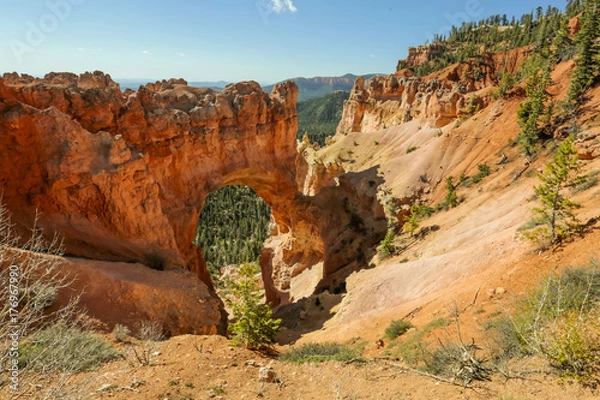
(560, 321)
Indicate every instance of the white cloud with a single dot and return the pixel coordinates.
(181, 54)
(145, 52)
(372, 55)
(280, 6)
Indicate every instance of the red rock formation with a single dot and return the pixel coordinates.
(123, 176)
(435, 100)
(420, 55)
(574, 25)
(127, 294)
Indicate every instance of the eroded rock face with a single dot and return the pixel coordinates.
(435, 100)
(123, 176)
(130, 294)
(420, 55)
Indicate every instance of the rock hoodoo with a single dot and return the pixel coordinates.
(123, 176)
(421, 55)
(435, 100)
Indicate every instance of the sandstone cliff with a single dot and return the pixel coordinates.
(123, 176)
(420, 55)
(435, 100)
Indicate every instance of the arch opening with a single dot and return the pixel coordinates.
(232, 228)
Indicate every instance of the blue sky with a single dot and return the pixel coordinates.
(232, 40)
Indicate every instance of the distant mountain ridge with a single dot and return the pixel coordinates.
(310, 88)
(134, 84)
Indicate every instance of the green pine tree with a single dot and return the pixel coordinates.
(253, 324)
(554, 218)
(561, 42)
(413, 220)
(387, 247)
(507, 82)
(573, 8)
(587, 62)
(532, 110)
(451, 198)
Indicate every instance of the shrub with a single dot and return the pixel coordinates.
(320, 352)
(411, 149)
(36, 273)
(412, 349)
(451, 198)
(484, 170)
(148, 334)
(120, 333)
(458, 362)
(51, 338)
(397, 328)
(64, 348)
(573, 347)
(472, 107)
(507, 341)
(585, 184)
(387, 247)
(150, 331)
(560, 321)
(216, 390)
(253, 323)
(576, 290)
(532, 223)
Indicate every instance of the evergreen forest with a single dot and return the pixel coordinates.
(232, 227)
(318, 118)
(539, 28)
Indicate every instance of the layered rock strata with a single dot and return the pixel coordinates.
(435, 100)
(123, 176)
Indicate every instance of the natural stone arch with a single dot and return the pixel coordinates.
(123, 176)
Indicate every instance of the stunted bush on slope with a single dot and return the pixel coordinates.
(64, 348)
(397, 328)
(387, 247)
(48, 344)
(320, 352)
(30, 279)
(559, 321)
(149, 333)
